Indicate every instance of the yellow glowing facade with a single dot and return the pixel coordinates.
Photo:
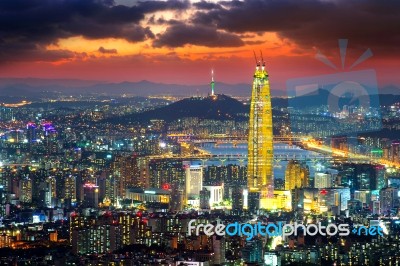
(280, 200)
(296, 175)
(260, 143)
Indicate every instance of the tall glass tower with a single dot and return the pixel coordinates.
(260, 144)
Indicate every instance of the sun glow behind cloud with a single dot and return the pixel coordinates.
(179, 39)
(269, 43)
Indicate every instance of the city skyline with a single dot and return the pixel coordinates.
(114, 178)
(143, 132)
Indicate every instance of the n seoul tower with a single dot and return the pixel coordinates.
(212, 83)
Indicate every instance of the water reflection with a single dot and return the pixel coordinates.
(281, 151)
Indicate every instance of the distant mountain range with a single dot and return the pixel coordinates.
(14, 89)
(42, 87)
(324, 97)
(223, 107)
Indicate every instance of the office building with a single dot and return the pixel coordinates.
(306, 199)
(194, 181)
(90, 195)
(154, 195)
(216, 195)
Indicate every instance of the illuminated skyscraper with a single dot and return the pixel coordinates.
(296, 175)
(70, 189)
(194, 181)
(260, 143)
(31, 132)
(25, 190)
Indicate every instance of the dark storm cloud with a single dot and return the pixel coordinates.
(206, 5)
(107, 51)
(153, 6)
(26, 27)
(259, 15)
(254, 42)
(180, 34)
(25, 51)
(369, 23)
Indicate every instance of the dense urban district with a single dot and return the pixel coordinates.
(103, 179)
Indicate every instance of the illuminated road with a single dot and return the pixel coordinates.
(313, 145)
(307, 143)
(223, 138)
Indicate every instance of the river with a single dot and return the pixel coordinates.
(280, 150)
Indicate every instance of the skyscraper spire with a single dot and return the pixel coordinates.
(262, 61)
(257, 61)
(212, 82)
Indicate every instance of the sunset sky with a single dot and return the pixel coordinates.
(180, 41)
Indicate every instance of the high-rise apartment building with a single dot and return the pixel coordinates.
(166, 171)
(126, 174)
(25, 190)
(296, 175)
(389, 199)
(323, 180)
(70, 189)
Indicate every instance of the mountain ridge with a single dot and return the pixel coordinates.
(36, 88)
(33, 87)
(218, 107)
